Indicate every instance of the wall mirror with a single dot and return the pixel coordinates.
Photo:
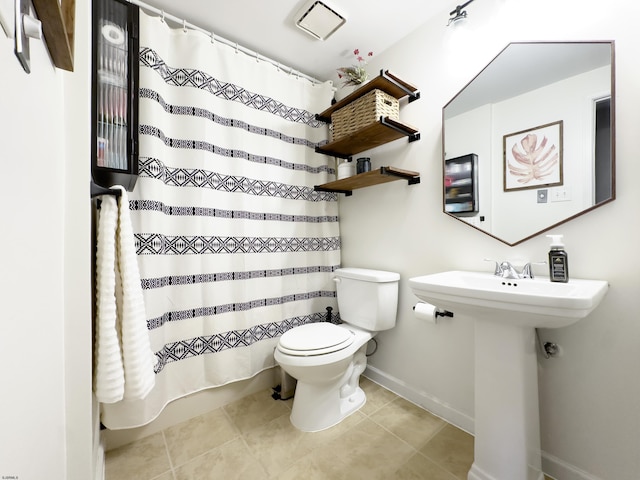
(539, 123)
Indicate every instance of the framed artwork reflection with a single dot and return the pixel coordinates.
(533, 157)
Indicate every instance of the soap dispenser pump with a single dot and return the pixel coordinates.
(558, 260)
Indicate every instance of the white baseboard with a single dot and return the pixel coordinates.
(99, 463)
(557, 468)
(99, 472)
(423, 399)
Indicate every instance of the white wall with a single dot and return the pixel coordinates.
(590, 396)
(32, 412)
(45, 342)
(81, 419)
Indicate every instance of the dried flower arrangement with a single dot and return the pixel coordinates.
(356, 74)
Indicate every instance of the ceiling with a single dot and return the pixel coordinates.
(268, 28)
(524, 67)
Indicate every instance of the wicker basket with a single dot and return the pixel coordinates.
(364, 111)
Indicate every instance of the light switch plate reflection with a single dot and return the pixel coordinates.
(7, 17)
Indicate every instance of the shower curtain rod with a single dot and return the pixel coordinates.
(180, 21)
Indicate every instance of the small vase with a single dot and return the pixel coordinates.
(345, 91)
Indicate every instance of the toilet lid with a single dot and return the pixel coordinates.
(315, 339)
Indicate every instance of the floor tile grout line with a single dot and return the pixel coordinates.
(200, 455)
(438, 430)
(255, 457)
(431, 459)
(443, 467)
(416, 450)
(230, 420)
(246, 444)
(238, 434)
(166, 449)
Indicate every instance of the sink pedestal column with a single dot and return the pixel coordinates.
(507, 420)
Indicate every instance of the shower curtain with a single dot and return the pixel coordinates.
(234, 245)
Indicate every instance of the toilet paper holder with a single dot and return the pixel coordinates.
(439, 312)
(443, 313)
(429, 313)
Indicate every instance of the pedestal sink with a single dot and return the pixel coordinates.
(506, 313)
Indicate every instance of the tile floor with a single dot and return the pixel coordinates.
(253, 439)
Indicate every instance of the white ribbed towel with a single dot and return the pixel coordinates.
(124, 361)
(138, 358)
(109, 371)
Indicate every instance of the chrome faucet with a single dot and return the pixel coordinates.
(506, 270)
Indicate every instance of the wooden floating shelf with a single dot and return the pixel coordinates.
(367, 179)
(373, 135)
(387, 81)
(377, 133)
(58, 26)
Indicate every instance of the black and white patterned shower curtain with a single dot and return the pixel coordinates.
(234, 245)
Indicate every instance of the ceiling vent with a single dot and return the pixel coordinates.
(319, 19)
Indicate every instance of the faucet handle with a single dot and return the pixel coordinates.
(497, 269)
(527, 271)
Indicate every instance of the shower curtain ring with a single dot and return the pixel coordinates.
(257, 59)
(213, 37)
(184, 25)
(162, 16)
(236, 47)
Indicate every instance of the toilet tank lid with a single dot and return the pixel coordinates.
(367, 275)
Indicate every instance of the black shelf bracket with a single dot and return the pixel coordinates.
(412, 136)
(320, 188)
(332, 153)
(320, 118)
(411, 180)
(413, 96)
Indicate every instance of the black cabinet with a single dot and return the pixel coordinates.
(115, 93)
(461, 185)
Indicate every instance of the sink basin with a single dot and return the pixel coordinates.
(527, 302)
(506, 313)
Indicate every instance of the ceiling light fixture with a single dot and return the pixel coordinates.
(458, 14)
(319, 19)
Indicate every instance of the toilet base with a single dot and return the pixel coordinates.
(317, 408)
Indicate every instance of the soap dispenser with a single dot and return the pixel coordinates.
(558, 260)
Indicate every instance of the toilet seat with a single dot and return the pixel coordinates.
(315, 339)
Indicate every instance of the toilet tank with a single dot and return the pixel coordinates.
(367, 298)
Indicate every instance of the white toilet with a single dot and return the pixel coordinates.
(327, 359)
